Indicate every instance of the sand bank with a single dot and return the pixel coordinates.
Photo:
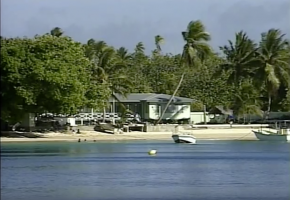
(205, 134)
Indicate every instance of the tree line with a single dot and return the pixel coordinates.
(53, 73)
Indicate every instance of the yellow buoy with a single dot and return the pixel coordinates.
(152, 152)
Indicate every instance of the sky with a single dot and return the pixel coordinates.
(127, 22)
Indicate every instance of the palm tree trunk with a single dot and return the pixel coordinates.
(269, 107)
(171, 98)
(204, 113)
(104, 113)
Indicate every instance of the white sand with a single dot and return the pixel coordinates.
(203, 134)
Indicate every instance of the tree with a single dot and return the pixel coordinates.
(202, 85)
(53, 73)
(240, 57)
(43, 74)
(240, 64)
(158, 41)
(274, 68)
(139, 49)
(124, 55)
(286, 102)
(109, 65)
(196, 49)
(162, 73)
(138, 71)
(57, 32)
(246, 100)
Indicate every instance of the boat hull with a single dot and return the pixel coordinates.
(271, 136)
(189, 139)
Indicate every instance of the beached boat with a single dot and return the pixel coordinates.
(281, 133)
(183, 138)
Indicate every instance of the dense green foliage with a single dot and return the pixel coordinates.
(53, 73)
(46, 73)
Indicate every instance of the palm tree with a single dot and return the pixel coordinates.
(274, 67)
(124, 55)
(109, 67)
(57, 32)
(240, 65)
(196, 46)
(240, 57)
(158, 41)
(139, 48)
(196, 49)
(138, 68)
(156, 63)
(246, 100)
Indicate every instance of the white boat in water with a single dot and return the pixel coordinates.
(279, 134)
(272, 136)
(183, 138)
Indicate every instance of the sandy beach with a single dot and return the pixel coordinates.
(206, 134)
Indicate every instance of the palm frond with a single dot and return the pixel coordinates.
(274, 57)
(139, 48)
(158, 41)
(241, 57)
(123, 54)
(196, 48)
(57, 32)
(196, 30)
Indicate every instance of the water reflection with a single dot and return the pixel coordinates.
(125, 171)
(53, 149)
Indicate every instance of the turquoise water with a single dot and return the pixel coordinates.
(123, 170)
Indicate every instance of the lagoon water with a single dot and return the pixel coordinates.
(210, 170)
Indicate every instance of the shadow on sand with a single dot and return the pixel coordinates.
(15, 134)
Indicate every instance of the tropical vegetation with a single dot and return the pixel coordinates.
(53, 73)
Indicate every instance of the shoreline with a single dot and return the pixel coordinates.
(93, 136)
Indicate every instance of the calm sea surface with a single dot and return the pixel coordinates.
(123, 171)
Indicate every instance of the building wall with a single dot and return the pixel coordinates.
(149, 111)
(198, 117)
(174, 112)
(134, 107)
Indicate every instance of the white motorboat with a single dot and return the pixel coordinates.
(279, 134)
(183, 138)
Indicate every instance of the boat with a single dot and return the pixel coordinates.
(281, 133)
(183, 138)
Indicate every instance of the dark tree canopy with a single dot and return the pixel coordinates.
(45, 73)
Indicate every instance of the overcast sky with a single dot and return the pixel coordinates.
(127, 22)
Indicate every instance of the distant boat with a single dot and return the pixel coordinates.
(279, 134)
(183, 138)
